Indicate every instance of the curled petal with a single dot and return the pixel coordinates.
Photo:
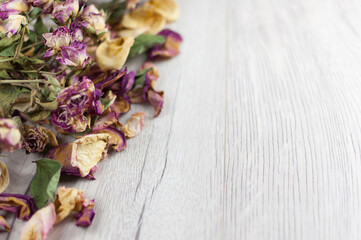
(171, 46)
(39, 224)
(156, 99)
(4, 177)
(72, 171)
(112, 54)
(167, 8)
(153, 74)
(12, 7)
(4, 224)
(83, 153)
(85, 217)
(134, 125)
(23, 206)
(144, 19)
(120, 106)
(117, 138)
(105, 121)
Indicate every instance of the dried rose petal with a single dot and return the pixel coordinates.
(153, 74)
(167, 8)
(45, 5)
(112, 54)
(117, 138)
(68, 200)
(134, 125)
(156, 99)
(4, 177)
(23, 206)
(72, 171)
(39, 224)
(171, 46)
(14, 24)
(94, 20)
(144, 19)
(4, 224)
(105, 121)
(85, 217)
(10, 136)
(12, 7)
(83, 153)
(74, 55)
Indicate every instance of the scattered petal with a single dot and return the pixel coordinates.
(112, 54)
(171, 46)
(23, 206)
(134, 125)
(85, 217)
(4, 224)
(83, 153)
(156, 99)
(4, 177)
(117, 138)
(39, 224)
(167, 8)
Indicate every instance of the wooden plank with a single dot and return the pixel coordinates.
(167, 180)
(293, 120)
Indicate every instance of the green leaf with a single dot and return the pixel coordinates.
(35, 12)
(45, 182)
(8, 95)
(27, 60)
(106, 103)
(6, 42)
(40, 27)
(140, 78)
(9, 52)
(31, 36)
(4, 74)
(6, 65)
(143, 42)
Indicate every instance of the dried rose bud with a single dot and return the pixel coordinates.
(14, 24)
(13, 7)
(57, 39)
(74, 55)
(63, 11)
(112, 54)
(10, 136)
(94, 20)
(37, 138)
(45, 5)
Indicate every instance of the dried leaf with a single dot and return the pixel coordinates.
(144, 42)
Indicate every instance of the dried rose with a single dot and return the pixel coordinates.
(71, 199)
(74, 55)
(76, 103)
(57, 39)
(117, 138)
(94, 20)
(37, 138)
(10, 136)
(23, 206)
(76, 32)
(14, 24)
(144, 19)
(39, 224)
(63, 11)
(83, 153)
(4, 224)
(167, 8)
(112, 54)
(134, 125)
(171, 46)
(4, 177)
(12, 7)
(45, 5)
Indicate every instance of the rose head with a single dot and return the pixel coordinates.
(57, 39)
(14, 24)
(64, 10)
(94, 20)
(12, 7)
(46, 5)
(36, 138)
(74, 55)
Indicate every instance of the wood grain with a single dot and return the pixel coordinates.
(260, 137)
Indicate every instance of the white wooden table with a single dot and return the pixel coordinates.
(260, 137)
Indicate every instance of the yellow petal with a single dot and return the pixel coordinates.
(112, 54)
(39, 225)
(68, 200)
(144, 18)
(134, 125)
(167, 8)
(4, 177)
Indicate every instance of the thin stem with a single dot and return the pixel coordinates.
(6, 60)
(21, 42)
(30, 46)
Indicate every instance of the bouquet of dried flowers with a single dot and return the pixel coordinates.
(62, 68)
